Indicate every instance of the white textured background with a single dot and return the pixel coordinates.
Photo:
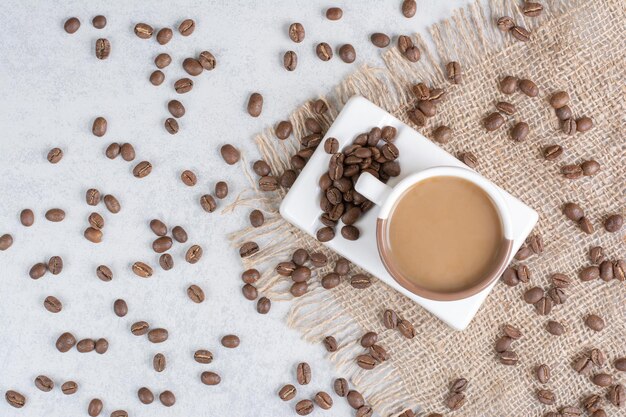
(51, 88)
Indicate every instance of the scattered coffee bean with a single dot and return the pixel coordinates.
(552, 152)
(52, 304)
(296, 32)
(406, 328)
(442, 134)
(86, 345)
(38, 270)
(369, 339)
(290, 60)
(613, 223)
(341, 387)
(178, 233)
(512, 332)
(390, 319)
(542, 372)
(594, 322)
(347, 53)
(162, 60)
(142, 169)
(532, 9)
(230, 341)
(304, 407)
(162, 244)
(546, 396)
(14, 398)
(159, 362)
(171, 125)
(617, 395)
(455, 401)
(208, 204)
(257, 218)
(590, 273)
(176, 108)
(493, 121)
(543, 307)
(366, 362)
(203, 356)
(44, 383)
(250, 292)
(528, 87)
(248, 249)
(250, 276)
(157, 77)
(221, 189)
(103, 48)
(288, 392)
(55, 155)
(303, 373)
(503, 344)
(469, 159)
(142, 270)
(120, 308)
(167, 398)
(112, 204)
(264, 305)
(195, 294)
(619, 270)
(559, 99)
(144, 31)
(27, 217)
(230, 154)
(380, 40)
(453, 72)
(210, 378)
(508, 358)
(573, 211)
(590, 168)
(139, 328)
(620, 364)
(187, 27)
(508, 85)
(104, 273)
(145, 395)
(71, 25)
(324, 51)
(409, 7)
(555, 328)
(360, 281)
(602, 380)
(69, 387)
(355, 399)
(119, 413)
(55, 265)
(519, 132)
(95, 407)
(55, 215)
(193, 254)
(164, 36)
(330, 343)
(584, 124)
(520, 33)
(323, 400)
(93, 235)
(207, 60)
(158, 335)
(192, 66)
(572, 171)
(585, 225)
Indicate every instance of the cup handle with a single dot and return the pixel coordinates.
(372, 188)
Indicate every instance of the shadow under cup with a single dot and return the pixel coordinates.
(444, 239)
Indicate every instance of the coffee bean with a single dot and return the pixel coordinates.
(380, 40)
(14, 398)
(208, 204)
(69, 387)
(557, 295)
(597, 357)
(158, 335)
(103, 48)
(390, 319)
(360, 281)
(585, 225)
(573, 211)
(44, 383)
(569, 126)
(532, 9)
(324, 51)
(285, 269)
(176, 108)
(55, 215)
(304, 407)
(55, 155)
(142, 169)
(590, 273)
(164, 36)
(257, 218)
(596, 255)
(95, 407)
(330, 343)
(347, 53)
(590, 168)
(159, 362)
(508, 358)
(318, 259)
(93, 235)
(409, 7)
(187, 27)
(290, 60)
(503, 344)
(364, 411)
(552, 152)
(296, 32)
(208, 62)
(38, 270)
(453, 72)
(543, 307)
(369, 339)
(528, 87)
(508, 85)
(341, 387)
(221, 189)
(162, 60)
(193, 254)
(617, 395)
(264, 305)
(27, 217)
(139, 328)
(330, 281)
(455, 401)
(195, 294)
(250, 292)
(559, 99)
(546, 396)
(250, 276)
(157, 77)
(230, 341)
(52, 304)
(619, 270)
(592, 403)
(572, 172)
(406, 328)
(620, 364)
(505, 24)
(55, 265)
(355, 399)
(412, 54)
(325, 234)
(303, 373)
(171, 125)
(442, 134)
(71, 25)
(120, 308)
(162, 244)
(350, 233)
(230, 154)
(288, 392)
(86, 345)
(602, 380)
(178, 233)
(468, 158)
(112, 204)
(519, 132)
(104, 273)
(248, 249)
(210, 378)
(167, 398)
(613, 223)
(143, 30)
(283, 131)
(323, 400)
(594, 322)
(119, 413)
(203, 356)
(192, 66)
(521, 34)
(366, 362)
(542, 372)
(555, 328)
(142, 270)
(493, 122)
(145, 395)
(584, 124)
(606, 271)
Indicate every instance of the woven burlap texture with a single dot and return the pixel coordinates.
(576, 46)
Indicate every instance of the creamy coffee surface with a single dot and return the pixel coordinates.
(444, 234)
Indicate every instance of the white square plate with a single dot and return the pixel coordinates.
(301, 205)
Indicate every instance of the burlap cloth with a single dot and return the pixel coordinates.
(576, 46)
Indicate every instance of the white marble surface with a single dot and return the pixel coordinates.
(52, 87)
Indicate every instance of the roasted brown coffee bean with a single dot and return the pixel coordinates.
(330, 343)
(207, 60)
(455, 401)
(176, 108)
(304, 407)
(103, 48)
(360, 281)
(210, 378)
(404, 43)
(557, 295)
(512, 332)
(602, 380)
(192, 66)
(268, 183)
(409, 7)
(355, 399)
(55, 155)
(285, 268)
(493, 122)
(171, 125)
(144, 31)
(378, 353)
(283, 131)
(104, 273)
(569, 126)
(606, 271)
(119, 413)
(427, 107)
(543, 307)
(620, 364)
(55, 265)
(158, 335)
(290, 60)
(250, 292)
(323, 400)
(298, 289)
(69, 387)
(582, 365)
(208, 204)
(585, 225)
(341, 387)
(159, 362)
(92, 197)
(325, 234)
(44, 383)
(288, 178)
(230, 341)
(178, 233)
(406, 328)
(350, 232)
(142, 270)
(93, 235)
(230, 154)
(38, 270)
(164, 36)
(365, 362)
(264, 305)
(167, 398)
(573, 211)
(142, 169)
(145, 395)
(112, 204)
(221, 189)
(364, 411)
(288, 392)
(528, 87)
(195, 294)
(369, 339)
(546, 396)
(380, 40)
(584, 124)
(203, 356)
(505, 23)
(162, 60)
(519, 132)
(508, 85)
(324, 51)
(421, 91)
(347, 53)
(303, 373)
(52, 304)
(572, 172)
(55, 215)
(127, 151)
(594, 322)
(619, 270)
(27, 217)
(412, 54)
(188, 178)
(521, 34)
(453, 72)
(589, 273)
(559, 99)
(86, 345)
(299, 257)
(617, 395)
(542, 372)
(248, 249)
(563, 113)
(613, 223)
(596, 255)
(532, 9)
(95, 407)
(390, 319)
(184, 85)
(15, 399)
(468, 158)
(162, 244)
(157, 77)
(442, 134)
(330, 281)
(597, 357)
(187, 27)
(296, 32)
(552, 152)
(503, 344)
(193, 254)
(555, 328)
(139, 328)
(120, 308)
(250, 276)
(313, 125)
(71, 25)
(590, 167)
